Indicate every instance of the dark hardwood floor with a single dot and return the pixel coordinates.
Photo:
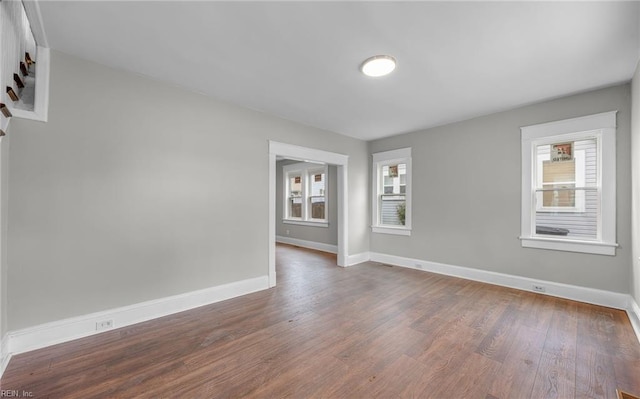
(365, 331)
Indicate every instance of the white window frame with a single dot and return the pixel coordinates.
(603, 127)
(305, 170)
(381, 159)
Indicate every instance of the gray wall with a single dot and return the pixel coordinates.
(635, 172)
(120, 197)
(4, 202)
(324, 235)
(466, 195)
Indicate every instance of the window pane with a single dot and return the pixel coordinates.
(317, 183)
(295, 186)
(576, 225)
(392, 210)
(558, 172)
(317, 207)
(295, 196)
(295, 207)
(394, 178)
(561, 195)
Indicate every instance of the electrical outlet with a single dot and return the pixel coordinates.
(539, 288)
(104, 325)
(418, 265)
(287, 232)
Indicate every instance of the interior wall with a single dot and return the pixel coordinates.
(324, 235)
(4, 201)
(136, 190)
(635, 185)
(467, 189)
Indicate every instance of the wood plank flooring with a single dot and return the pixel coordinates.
(365, 331)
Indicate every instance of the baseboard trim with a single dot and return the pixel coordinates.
(5, 356)
(308, 244)
(577, 293)
(57, 332)
(633, 311)
(357, 258)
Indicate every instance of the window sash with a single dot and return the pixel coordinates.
(385, 217)
(579, 179)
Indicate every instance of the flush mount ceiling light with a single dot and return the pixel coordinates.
(378, 65)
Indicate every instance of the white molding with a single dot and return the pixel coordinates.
(272, 219)
(307, 223)
(633, 311)
(392, 155)
(319, 246)
(32, 9)
(357, 258)
(573, 292)
(56, 332)
(399, 231)
(291, 151)
(604, 120)
(597, 248)
(307, 154)
(343, 214)
(5, 356)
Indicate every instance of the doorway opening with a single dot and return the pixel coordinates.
(305, 154)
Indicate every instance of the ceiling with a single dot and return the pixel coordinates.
(300, 60)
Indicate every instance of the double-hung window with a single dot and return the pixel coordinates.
(569, 185)
(305, 186)
(392, 192)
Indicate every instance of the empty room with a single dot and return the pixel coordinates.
(236, 199)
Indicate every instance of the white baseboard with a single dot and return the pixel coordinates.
(633, 311)
(308, 244)
(82, 326)
(357, 258)
(577, 293)
(5, 356)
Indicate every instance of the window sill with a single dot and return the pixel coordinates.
(399, 231)
(305, 223)
(587, 247)
(561, 210)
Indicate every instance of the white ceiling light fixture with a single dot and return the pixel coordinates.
(378, 65)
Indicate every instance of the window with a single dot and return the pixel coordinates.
(305, 186)
(392, 192)
(568, 185)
